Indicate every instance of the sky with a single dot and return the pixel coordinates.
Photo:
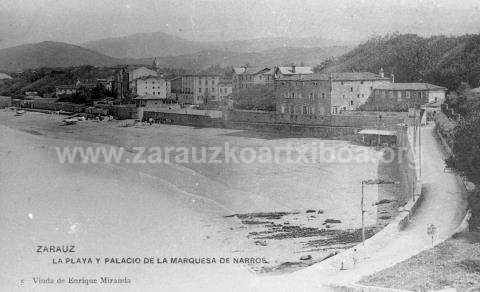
(78, 21)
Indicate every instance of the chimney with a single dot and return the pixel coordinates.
(293, 69)
(382, 73)
(392, 77)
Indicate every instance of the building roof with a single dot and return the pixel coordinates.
(339, 76)
(144, 69)
(294, 70)
(5, 76)
(252, 70)
(148, 77)
(409, 86)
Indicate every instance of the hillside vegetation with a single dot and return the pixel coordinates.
(50, 54)
(440, 60)
(44, 80)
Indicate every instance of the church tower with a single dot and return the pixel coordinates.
(156, 66)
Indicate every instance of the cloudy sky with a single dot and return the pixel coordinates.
(77, 21)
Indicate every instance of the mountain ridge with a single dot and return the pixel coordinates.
(51, 54)
(441, 60)
(58, 54)
(160, 44)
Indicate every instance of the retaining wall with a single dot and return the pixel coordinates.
(294, 129)
(358, 120)
(53, 106)
(120, 112)
(184, 119)
(396, 225)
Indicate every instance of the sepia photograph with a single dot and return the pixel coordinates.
(253, 145)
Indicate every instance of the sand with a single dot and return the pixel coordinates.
(165, 210)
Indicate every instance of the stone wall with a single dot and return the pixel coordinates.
(48, 104)
(117, 111)
(358, 120)
(294, 130)
(445, 129)
(183, 119)
(280, 128)
(121, 112)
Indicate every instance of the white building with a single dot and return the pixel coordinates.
(150, 85)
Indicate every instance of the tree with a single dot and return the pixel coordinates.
(465, 158)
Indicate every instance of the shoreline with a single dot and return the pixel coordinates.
(243, 230)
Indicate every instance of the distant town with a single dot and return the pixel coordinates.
(284, 90)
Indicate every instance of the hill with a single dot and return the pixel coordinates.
(50, 54)
(43, 80)
(145, 45)
(159, 44)
(55, 54)
(280, 56)
(441, 60)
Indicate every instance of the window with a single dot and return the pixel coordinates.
(315, 95)
(361, 82)
(323, 95)
(200, 90)
(407, 94)
(351, 89)
(292, 109)
(293, 95)
(305, 110)
(358, 95)
(310, 95)
(390, 94)
(351, 102)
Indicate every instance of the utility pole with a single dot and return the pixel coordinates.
(420, 149)
(363, 217)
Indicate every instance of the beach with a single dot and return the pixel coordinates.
(272, 213)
